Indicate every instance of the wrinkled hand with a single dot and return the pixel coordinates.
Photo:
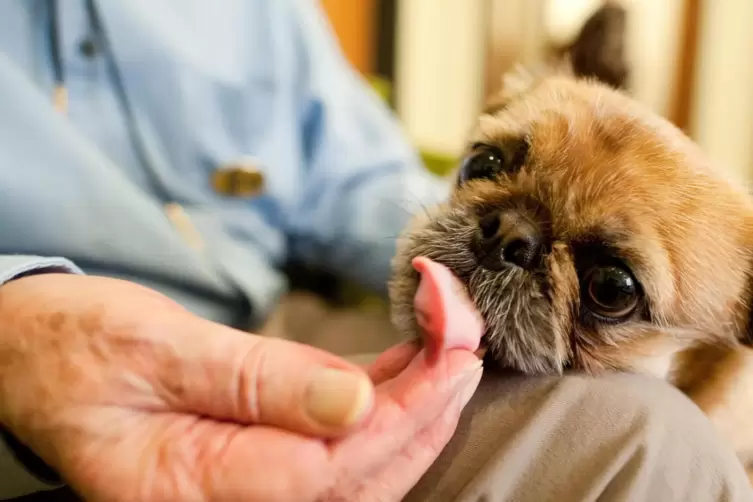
(130, 397)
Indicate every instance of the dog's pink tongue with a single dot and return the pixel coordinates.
(445, 314)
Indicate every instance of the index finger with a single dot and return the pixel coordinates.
(404, 406)
(393, 361)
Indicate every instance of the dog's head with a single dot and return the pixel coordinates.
(590, 233)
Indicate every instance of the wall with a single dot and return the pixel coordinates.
(516, 35)
(722, 121)
(654, 35)
(440, 70)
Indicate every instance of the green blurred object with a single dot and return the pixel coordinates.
(382, 86)
(438, 163)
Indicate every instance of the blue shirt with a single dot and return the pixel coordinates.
(210, 83)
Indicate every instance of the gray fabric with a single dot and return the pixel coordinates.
(613, 438)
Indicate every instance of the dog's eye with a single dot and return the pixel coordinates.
(610, 292)
(486, 163)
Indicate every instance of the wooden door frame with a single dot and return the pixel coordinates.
(681, 107)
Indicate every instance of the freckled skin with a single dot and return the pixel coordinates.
(55, 321)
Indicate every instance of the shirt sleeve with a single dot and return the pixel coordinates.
(16, 479)
(364, 180)
(15, 266)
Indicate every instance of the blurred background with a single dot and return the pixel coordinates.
(436, 61)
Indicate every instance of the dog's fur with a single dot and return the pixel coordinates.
(604, 176)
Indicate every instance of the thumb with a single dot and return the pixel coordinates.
(234, 376)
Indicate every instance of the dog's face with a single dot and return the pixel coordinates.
(590, 233)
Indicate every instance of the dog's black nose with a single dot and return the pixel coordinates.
(508, 236)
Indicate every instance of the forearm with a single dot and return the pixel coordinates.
(21, 472)
(358, 227)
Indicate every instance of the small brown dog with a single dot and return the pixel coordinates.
(593, 235)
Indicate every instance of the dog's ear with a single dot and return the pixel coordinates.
(599, 50)
(521, 79)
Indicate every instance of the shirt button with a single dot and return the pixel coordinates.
(238, 179)
(88, 48)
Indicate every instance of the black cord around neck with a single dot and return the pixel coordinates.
(53, 41)
(102, 42)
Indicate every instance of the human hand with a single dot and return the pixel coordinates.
(130, 397)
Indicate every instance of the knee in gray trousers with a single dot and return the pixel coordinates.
(613, 438)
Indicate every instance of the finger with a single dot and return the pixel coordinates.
(424, 380)
(390, 363)
(402, 472)
(230, 375)
(404, 406)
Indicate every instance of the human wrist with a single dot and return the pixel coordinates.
(10, 433)
(14, 270)
(13, 371)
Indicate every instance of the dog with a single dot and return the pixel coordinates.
(592, 235)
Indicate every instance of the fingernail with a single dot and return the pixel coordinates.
(337, 398)
(470, 389)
